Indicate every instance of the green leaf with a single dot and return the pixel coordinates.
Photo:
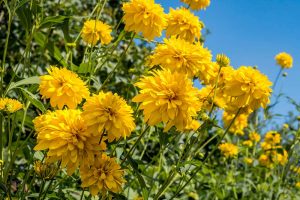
(24, 14)
(26, 81)
(51, 21)
(33, 99)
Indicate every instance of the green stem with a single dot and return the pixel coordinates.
(277, 78)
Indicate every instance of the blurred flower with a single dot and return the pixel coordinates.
(109, 113)
(297, 184)
(10, 105)
(248, 89)
(248, 143)
(285, 126)
(240, 122)
(265, 161)
(95, 30)
(183, 24)
(228, 149)
(197, 4)
(168, 98)
(45, 171)
(248, 160)
(223, 60)
(284, 60)
(255, 137)
(179, 55)
(64, 134)
(144, 16)
(63, 87)
(272, 137)
(279, 158)
(103, 175)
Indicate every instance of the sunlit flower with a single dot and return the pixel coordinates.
(10, 105)
(222, 60)
(228, 150)
(284, 60)
(240, 122)
(207, 95)
(255, 137)
(144, 16)
(95, 30)
(272, 137)
(108, 113)
(168, 98)
(64, 134)
(63, 87)
(179, 55)
(248, 143)
(197, 4)
(103, 175)
(183, 24)
(248, 89)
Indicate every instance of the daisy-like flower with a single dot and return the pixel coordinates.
(103, 175)
(240, 122)
(10, 105)
(144, 16)
(64, 134)
(228, 150)
(63, 87)
(284, 60)
(247, 88)
(169, 98)
(95, 30)
(197, 4)
(255, 137)
(183, 24)
(179, 55)
(264, 160)
(108, 113)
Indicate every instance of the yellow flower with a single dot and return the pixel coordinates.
(45, 170)
(284, 60)
(297, 184)
(63, 87)
(228, 149)
(223, 60)
(183, 24)
(10, 105)
(255, 137)
(179, 55)
(108, 113)
(265, 161)
(103, 175)
(279, 158)
(249, 161)
(248, 143)
(265, 146)
(144, 16)
(64, 134)
(247, 89)
(168, 98)
(206, 96)
(95, 30)
(285, 126)
(197, 4)
(240, 122)
(272, 137)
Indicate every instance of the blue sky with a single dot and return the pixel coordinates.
(251, 33)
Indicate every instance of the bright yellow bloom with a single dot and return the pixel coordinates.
(255, 137)
(228, 149)
(108, 113)
(279, 158)
(95, 30)
(64, 134)
(297, 184)
(265, 161)
(10, 105)
(266, 146)
(183, 24)
(103, 175)
(168, 98)
(272, 137)
(197, 4)
(63, 87)
(249, 161)
(144, 16)
(240, 122)
(284, 60)
(179, 55)
(248, 143)
(207, 95)
(248, 89)
(222, 60)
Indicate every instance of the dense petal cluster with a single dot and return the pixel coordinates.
(197, 4)
(248, 143)
(183, 24)
(169, 98)
(64, 134)
(240, 122)
(255, 137)
(228, 150)
(104, 175)
(94, 31)
(63, 87)
(208, 96)
(284, 60)
(10, 105)
(179, 55)
(108, 113)
(247, 88)
(144, 16)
